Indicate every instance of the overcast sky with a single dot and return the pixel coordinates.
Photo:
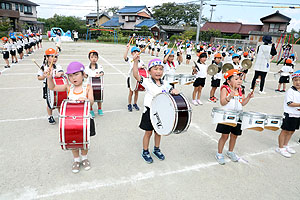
(249, 15)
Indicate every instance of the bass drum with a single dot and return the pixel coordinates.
(55, 98)
(97, 85)
(170, 114)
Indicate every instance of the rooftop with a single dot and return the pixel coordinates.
(131, 9)
(26, 2)
(147, 22)
(113, 22)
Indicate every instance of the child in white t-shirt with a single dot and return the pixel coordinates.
(291, 121)
(285, 73)
(201, 72)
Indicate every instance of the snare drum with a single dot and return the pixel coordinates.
(186, 79)
(172, 78)
(97, 85)
(55, 98)
(74, 125)
(227, 117)
(273, 122)
(253, 120)
(170, 114)
(134, 84)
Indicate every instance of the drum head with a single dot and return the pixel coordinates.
(163, 114)
(50, 98)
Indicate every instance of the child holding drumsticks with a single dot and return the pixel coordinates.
(232, 98)
(291, 121)
(94, 70)
(153, 86)
(77, 91)
(51, 56)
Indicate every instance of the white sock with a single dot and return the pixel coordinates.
(83, 157)
(77, 159)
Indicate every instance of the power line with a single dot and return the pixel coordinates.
(260, 2)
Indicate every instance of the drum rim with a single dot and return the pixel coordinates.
(274, 117)
(254, 114)
(224, 111)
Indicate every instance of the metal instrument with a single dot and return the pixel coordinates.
(246, 64)
(226, 67)
(212, 69)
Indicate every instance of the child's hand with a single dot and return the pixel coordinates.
(97, 75)
(49, 73)
(250, 95)
(175, 92)
(101, 74)
(136, 57)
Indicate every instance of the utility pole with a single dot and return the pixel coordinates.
(199, 21)
(211, 11)
(97, 23)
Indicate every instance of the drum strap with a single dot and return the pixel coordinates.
(229, 89)
(172, 64)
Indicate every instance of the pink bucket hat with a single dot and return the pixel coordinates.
(74, 67)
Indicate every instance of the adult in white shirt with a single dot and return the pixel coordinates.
(75, 35)
(262, 64)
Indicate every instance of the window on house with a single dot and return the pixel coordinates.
(27, 9)
(131, 18)
(17, 7)
(21, 8)
(123, 17)
(5, 6)
(274, 27)
(91, 21)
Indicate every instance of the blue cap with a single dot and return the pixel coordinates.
(135, 49)
(168, 51)
(293, 55)
(224, 45)
(240, 48)
(296, 74)
(13, 37)
(20, 37)
(157, 41)
(235, 55)
(187, 45)
(230, 52)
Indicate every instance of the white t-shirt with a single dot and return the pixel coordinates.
(219, 74)
(19, 44)
(152, 89)
(92, 73)
(13, 46)
(129, 61)
(170, 68)
(75, 34)
(202, 72)
(57, 69)
(286, 70)
(189, 51)
(6, 46)
(292, 96)
(158, 46)
(236, 66)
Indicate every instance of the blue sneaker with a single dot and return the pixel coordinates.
(147, 157)
(232, 156)
(136, 107)
(100, 112)
(129, 107)
(158, 154)
(220, 158)
(92, 113)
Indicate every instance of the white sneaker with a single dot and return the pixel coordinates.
(289, 149)
(199, 102)
(283, 152)
(261, 92)
(251, 90)
(195, 102)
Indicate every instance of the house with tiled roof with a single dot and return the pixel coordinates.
(20, 12)
(274, 24)
(91, 18)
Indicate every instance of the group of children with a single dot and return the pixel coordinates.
(18, 44)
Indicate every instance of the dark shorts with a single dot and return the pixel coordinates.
(32, 44)
(198, 50)
(153, 49)
(199, 82)
(149, 47)
(146, 124)
(290, 123)
(20, 50)
(13, 53)
(27, 46)
(245, 71)
(178, 54)
(225, 129)
(188, 57)
(5, 54)
(284, 79)
(215, 82)
(75, 39)
(92, 127)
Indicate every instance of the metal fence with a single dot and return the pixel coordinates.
(235, 42)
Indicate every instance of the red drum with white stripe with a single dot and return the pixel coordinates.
(134, 84)
(74, 125)
(55, 98)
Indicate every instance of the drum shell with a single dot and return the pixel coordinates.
(97, 85)
(253, 121)
(227, 117)
(183, 114)
(186, 79)
(172, 78)
(273, 122)
(74, 123)
(59, 96)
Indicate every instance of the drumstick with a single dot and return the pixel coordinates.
(51, 64)
(196, 66)
(142, 50)
(131, 39)
(33, 60)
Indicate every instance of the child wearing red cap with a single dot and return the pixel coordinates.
(153, 86)
(231, 98)
(50, 56)
(216, 79)
(285, 73)
(94, 70)
(5, 51)
(77, 91)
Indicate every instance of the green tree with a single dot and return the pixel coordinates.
(172, 14)
(144, 28)
(112, 9)
(5, 27)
